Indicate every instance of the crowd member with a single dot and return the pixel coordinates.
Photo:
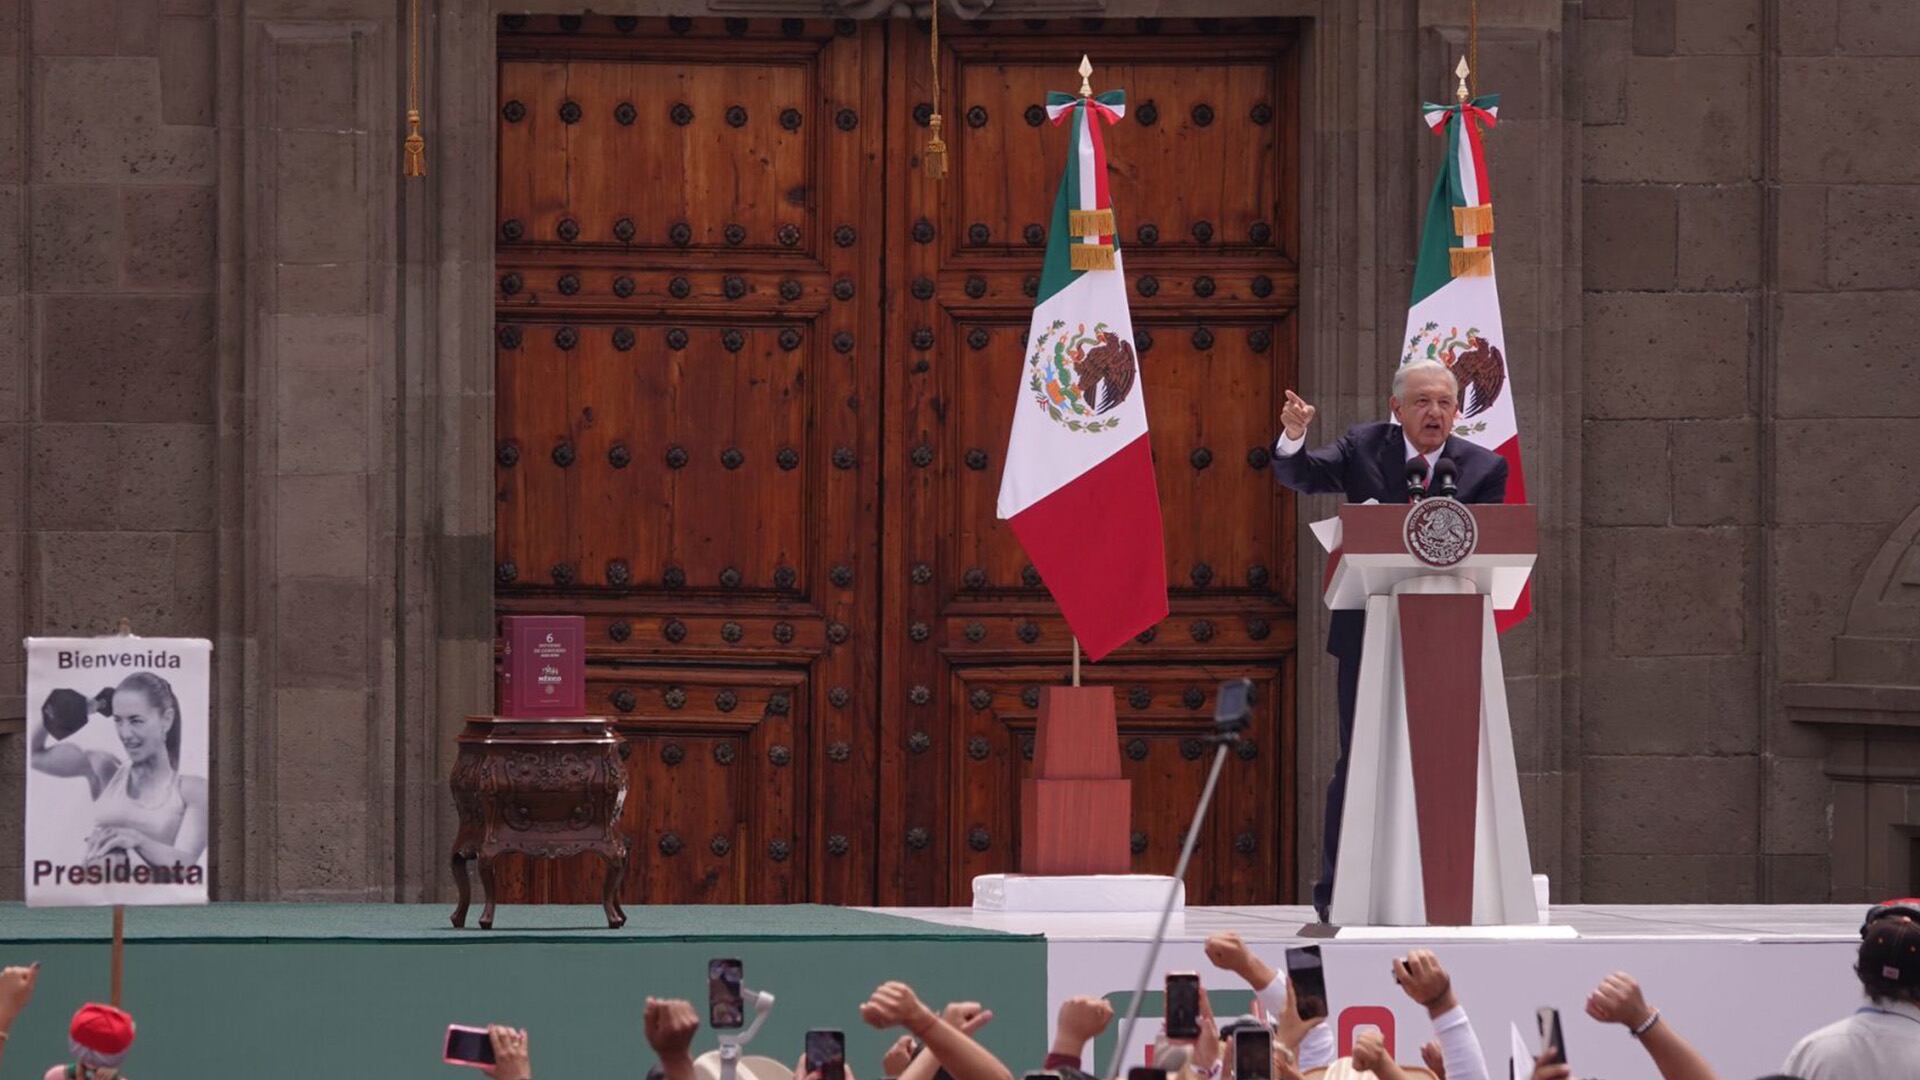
(1081, 1019)
(1423, 979)
(1370, 1056)
(1618, 1000)
(16, 989)
(1881, 1038)
(670, 1025)
(99, 1038)
(1307, 1042)
(510, 1060)
(894, 1004)
(965, 1016)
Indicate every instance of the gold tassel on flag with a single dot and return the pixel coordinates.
(935, 155)
(414, 161)
(1090, 222)
(1090, 256)
(1471, 262)
(1473, 220)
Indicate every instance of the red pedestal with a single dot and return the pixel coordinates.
(1076, 811)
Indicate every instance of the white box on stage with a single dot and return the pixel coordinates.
(1135, 893)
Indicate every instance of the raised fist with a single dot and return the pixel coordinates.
(1295, 416)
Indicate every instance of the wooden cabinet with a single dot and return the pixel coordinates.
(754, 378)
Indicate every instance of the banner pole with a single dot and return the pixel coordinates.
(1076, 659)
(119, 951)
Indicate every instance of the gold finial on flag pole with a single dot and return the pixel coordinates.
(1086, 76)
(1461, 93)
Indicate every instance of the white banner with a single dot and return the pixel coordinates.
(117, 736)
(1743, 1003)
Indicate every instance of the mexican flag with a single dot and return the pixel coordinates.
(1078, 487)
(1455, 313)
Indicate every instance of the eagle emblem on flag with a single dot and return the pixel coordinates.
(1079, 377)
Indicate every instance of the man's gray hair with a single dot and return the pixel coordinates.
(1417, 366)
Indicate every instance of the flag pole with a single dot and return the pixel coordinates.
(1076, 659)
(1086, 94)
(117, 959)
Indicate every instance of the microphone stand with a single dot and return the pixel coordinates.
(1230, 714)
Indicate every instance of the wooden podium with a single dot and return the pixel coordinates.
(1432, 832)
(1075, 810)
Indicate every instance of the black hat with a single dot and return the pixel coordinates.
(1889, 963)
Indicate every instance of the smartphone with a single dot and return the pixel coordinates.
(827, 1054)
(724, 1010)
(1041, 1076)
(1552, 1046)
(1144, 1072)
(1309, 981)
(468, 1046)
(1253, 1054)
(1183, 1005)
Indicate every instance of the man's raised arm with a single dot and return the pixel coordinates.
(1313, 472)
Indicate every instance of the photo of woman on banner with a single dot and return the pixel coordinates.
(144, 808)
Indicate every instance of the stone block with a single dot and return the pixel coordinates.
(14, 230)
(317, 85)
(170, 234)
(143, 359)
(1690, 120)
(1799, 803)
(77, 242)
(13, 160)
(322, 524)
(100, 122)
(321, 341)
(1877, 28)
(1605, 45)
(1716, 472)
(1609, 9)
(324, 421)
(13, 361)
(1706, 705)
(195, 582)
(1816, 569)
(1798, 879)
(76, 478)
(321, 627)
(1669, 879)
(1800, 244)
(1696, 806)
(1719, 237)
(1830, 471)
(1679, 592)
(1808, 27)
(322, 289)
(1541, 801)
(81, 27)
(1654, 27)
(1843, 121)
(88, 580)
(13, 471)
(1630, 232)
(321, 851)
(321, 209)
(166, 477)
(1717, 27)
(320, 747)
(1666, 355)
(187, 71)
(1849, 354)
(1624, 471)
(1873, 237)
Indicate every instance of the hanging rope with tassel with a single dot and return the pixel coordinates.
(935, 157)
(414, 162)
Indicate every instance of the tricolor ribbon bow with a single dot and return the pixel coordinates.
(1485, 109)
(1089, 206)
(1110, 106)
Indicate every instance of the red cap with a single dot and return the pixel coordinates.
(101, 1034)
(1906, 906)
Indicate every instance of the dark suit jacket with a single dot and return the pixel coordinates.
(1370, 462)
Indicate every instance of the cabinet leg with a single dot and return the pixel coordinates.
(464, 884)
(610, 897)
(486, 887)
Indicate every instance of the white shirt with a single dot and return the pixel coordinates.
(1316, 1050)
(1877, 1040)
(1288, 447)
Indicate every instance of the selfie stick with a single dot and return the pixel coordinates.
(1229, 718)
(730, 1045)
(118, 961)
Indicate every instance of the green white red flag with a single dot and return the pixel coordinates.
(1455, 313)
(1078, 489)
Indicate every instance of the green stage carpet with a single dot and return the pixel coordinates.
(323, 991)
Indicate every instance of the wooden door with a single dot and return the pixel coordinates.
(688, 429)
(755, 374)
(1203, 182)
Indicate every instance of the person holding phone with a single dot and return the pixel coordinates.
(1423, 979)
(1304, 1036)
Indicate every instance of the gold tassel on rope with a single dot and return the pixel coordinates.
(1473, 220)
(1090, 256)
(1090, 222)
(1470, 262)
(935, 155)
(414, 160)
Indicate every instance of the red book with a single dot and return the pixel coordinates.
(543, 665)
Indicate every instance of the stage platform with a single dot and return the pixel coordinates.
(367, 990)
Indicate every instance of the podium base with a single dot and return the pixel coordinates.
(1128, 893)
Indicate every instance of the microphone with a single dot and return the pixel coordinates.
(1446, 477)
(1416, 479)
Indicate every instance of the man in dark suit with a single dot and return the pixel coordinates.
(1370, 462)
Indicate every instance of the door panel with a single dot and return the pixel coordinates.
(755, 376)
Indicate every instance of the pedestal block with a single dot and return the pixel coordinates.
(1076, 811)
